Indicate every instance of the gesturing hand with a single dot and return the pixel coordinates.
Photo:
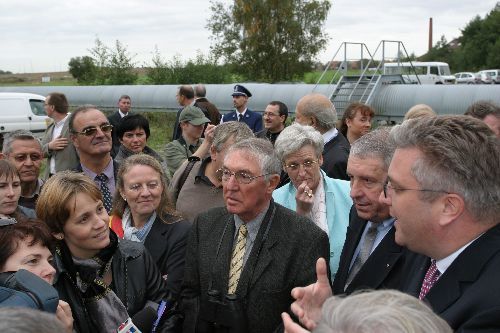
(310, 299)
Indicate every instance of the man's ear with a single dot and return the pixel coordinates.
(213, 153)
(2, 156)
(74, 140)
(452, 206)
(273, 182)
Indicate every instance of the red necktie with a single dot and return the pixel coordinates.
(430, 278)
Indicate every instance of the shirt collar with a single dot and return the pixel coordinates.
(108, 171)
(62, 121)
(200, 176)
(122, 114)
(253, 225)
(330, 135)
(444, 263)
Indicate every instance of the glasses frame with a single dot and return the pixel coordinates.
(297, 168)
(92, 131)
(220, 175)
(389, 186)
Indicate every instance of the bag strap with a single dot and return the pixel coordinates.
(192, 160)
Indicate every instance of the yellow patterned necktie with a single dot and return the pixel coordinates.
(237, 259)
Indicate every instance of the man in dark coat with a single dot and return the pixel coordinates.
(443, 190)
(124, 105)
(204, 104)
(244, 259)
(370, 258)
(242, 112)
(318, 111)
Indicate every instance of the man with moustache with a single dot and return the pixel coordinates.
(274, 117)
(91, 136)
(24, 150)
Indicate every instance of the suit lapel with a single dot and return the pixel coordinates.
(262, 253)
(464, 271)
(223, 260)
(353, 236)
(381, 261)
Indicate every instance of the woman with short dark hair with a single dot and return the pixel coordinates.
(133, 133)
(356, 121)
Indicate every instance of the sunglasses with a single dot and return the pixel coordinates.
(91, 131)
(7, 221)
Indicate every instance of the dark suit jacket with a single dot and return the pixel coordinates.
(252, 119)
(467, 295)
(166, 242)
(67, 158)
(287, 259)
(382, 270)
(115, 120)
(212, 112)
(335, 155)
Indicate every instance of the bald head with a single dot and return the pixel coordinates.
(316, 110)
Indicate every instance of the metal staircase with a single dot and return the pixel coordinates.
(365, 82)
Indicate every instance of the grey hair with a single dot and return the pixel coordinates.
(17, 135)
(80, 109)
(460, 155)
(296, 136)
(481, 109)
(381, 311)
(231, 129)
(374, 144)
(419, 111)
(260, 149)
(200, 90)
(319, 107)
(27, 320)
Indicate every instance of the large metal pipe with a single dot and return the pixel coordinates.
(390, 101)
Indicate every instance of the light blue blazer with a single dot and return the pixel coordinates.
(338, 204)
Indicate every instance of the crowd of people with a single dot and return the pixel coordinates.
(244, 224)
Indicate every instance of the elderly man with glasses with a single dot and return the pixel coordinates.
(24, 151)
(91, 136)
(244, 259)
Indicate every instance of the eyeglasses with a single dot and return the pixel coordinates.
(139, 187)
(24, 157)
(388, 186)
(241, 176)
(306, 164)
(91, 131)
(7, 221)
(270, 114)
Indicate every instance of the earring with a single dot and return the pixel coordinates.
(58, 237)
(124, 199)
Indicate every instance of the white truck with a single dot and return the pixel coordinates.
(431, 72)
(22, 111)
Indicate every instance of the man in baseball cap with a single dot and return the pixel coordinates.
(242, 113)
(192, 121)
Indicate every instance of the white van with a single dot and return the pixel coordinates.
(493, 75)
(22, 111)
(428, 72)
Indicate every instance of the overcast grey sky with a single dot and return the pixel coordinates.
(42, 35)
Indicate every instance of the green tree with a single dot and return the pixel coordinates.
(159, 72)
(121, 66)
(83, 69)
(273, 40)
(100, 55)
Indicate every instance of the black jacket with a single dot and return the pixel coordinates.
(136, 280)
(335, 155)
